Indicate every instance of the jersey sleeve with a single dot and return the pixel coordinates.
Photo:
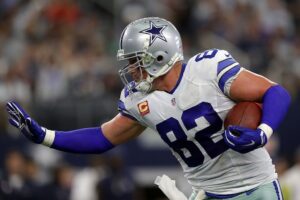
(227, 70)
(216, 67)
(123, 107)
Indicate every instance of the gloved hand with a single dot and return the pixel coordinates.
(244, 140)
(21, 120)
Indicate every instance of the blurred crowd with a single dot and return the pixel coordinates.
(57, 58)
(23, 178)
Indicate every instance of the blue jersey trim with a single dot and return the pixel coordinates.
(228, 196)
(227, 75)
(277, 189)
(225, 63)
(179, 79)
(123, 111)
(127, 92)
(121, 105)
(221, 196)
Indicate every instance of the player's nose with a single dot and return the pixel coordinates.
(134, 72)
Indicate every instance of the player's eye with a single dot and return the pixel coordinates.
(134, 60)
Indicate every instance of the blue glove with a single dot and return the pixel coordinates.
(21, 120)
(244, 140)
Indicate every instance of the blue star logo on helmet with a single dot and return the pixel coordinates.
(155, 31)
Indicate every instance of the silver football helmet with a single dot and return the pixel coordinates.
(153, 44)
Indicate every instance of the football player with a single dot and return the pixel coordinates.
(186, 104)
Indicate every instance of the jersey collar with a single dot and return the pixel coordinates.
(179, 79)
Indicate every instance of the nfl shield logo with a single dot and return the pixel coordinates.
(173, 102)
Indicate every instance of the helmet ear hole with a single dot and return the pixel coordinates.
(159, 58)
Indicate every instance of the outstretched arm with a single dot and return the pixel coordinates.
(87, 140)
(275, 99)
(121, 129)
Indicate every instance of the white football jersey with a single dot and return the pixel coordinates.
(190, 119)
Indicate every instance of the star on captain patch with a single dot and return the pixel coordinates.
(155, 31)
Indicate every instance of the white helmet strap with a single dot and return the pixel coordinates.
(145, 85)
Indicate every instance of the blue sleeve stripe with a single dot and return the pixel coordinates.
(127, 115)
(123, 111)
(227, 75)
(126, 92)
(225, 63)
(130, 85)
(121, 106)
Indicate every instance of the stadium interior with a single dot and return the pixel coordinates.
(58, 59)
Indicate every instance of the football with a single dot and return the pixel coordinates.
(245, 114)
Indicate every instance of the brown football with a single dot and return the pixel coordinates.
(245, 114)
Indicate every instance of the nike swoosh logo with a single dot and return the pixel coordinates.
(250, 144)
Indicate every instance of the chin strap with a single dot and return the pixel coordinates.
(145, 85)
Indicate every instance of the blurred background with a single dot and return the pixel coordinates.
(58, 59)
